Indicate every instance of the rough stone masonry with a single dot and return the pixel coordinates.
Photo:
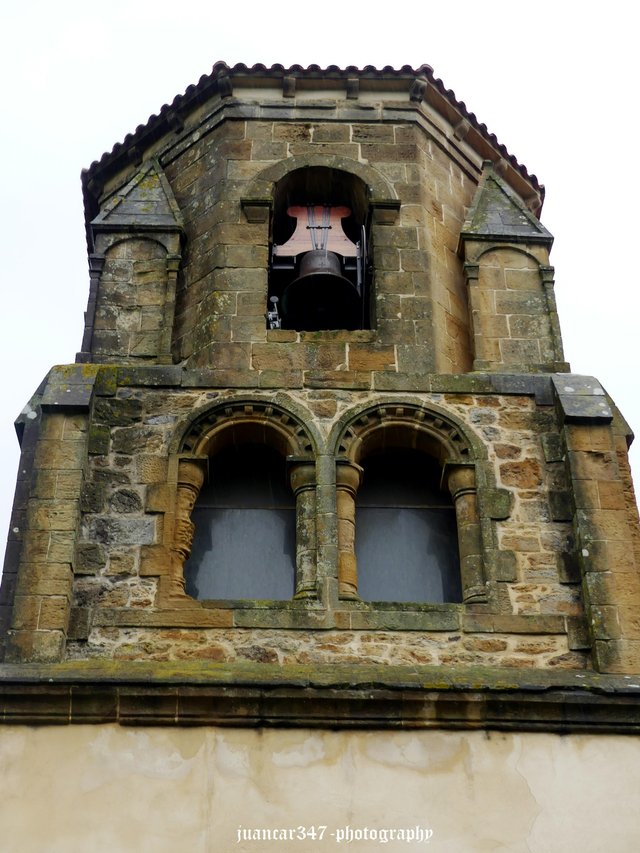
(459, 357)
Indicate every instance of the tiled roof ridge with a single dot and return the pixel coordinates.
(221, 70)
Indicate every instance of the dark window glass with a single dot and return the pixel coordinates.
(244, 543)
(406, 535)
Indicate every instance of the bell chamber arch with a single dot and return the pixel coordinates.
(319, 270)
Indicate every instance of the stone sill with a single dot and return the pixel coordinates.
(420, 697)
(324, 336)
(301, 616)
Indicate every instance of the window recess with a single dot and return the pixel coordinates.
(244, 545)
(406, 534)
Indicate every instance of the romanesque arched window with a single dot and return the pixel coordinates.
(244, 545)
(408, 524)
(245, 505)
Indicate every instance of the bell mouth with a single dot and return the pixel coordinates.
(321, 297)
(319, 261)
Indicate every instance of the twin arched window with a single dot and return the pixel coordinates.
(256, 532)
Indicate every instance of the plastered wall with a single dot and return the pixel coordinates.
(107, 788)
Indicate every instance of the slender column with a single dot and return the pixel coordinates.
(191, 474)
(348, 479)
(164, 345)
(461, 482)
(546, 274)
(303, 484)
(472, 274)
(96, 265)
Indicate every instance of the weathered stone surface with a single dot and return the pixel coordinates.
(121, 531)
(560, 506)
(458, 353)
(92, 497)
(118, 412)
(136, 439)
(524, 475)
(99, 437)
(150, 469)
(496, 503)
(125, 501)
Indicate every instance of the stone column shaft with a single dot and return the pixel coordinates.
(164, 347)
(303, 484)
(96, 265)
(461, 481)
(348, 479)
(191, 473)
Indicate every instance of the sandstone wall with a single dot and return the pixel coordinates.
(533, 615)
(421, 319)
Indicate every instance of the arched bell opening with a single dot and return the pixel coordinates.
(319, 276)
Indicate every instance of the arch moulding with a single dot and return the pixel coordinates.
(258, 197)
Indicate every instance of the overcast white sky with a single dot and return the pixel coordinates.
(555, 81)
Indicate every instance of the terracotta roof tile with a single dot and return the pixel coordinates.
(207, 85)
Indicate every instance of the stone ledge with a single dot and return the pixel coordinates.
(306, 615)
(581, 399)
(69, 387)
(574, 391)
(188, 693)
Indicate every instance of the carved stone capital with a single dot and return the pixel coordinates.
(191, 472)
(96, 265)
(472, 272)
(547, 274)
(302, 476)
(257, 210)
(460, 479)
(348, 476)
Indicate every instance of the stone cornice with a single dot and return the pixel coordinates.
(379, 697)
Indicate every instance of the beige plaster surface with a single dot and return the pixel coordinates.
(89, 789)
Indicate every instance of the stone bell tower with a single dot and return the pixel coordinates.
(320, 460)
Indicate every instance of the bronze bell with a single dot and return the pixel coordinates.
(321, 297)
